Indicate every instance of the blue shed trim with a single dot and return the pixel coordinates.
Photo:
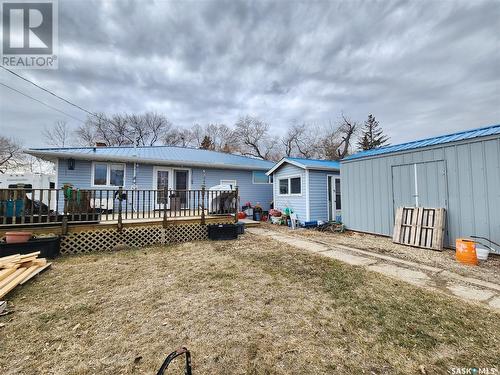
(454, 137)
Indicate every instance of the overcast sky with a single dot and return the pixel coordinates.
(423, 68)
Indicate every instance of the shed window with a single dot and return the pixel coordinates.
(284, 186)
(295, 185)
(290, 185)
(260, 177)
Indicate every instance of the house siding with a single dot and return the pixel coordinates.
(318, 194)
(472, 197)
(80, 177)
(296, 203)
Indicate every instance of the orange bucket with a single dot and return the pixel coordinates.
(466, 251)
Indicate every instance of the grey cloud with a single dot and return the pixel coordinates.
(423, 68)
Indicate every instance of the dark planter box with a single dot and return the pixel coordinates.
(48, 247)
(223, 232)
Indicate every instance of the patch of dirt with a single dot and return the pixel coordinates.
(249, 306)
(487, 271)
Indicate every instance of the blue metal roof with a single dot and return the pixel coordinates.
(155, 155)
(460, 136)
(317, 163)
(327, 165)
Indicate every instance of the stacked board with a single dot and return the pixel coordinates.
(18, 269)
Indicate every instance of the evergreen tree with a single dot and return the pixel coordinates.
(372, 135)
(206, 143)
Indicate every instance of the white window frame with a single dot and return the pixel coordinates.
(108, 174)
(261, 183)
(289, 178)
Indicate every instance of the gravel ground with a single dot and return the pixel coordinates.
(488, 271)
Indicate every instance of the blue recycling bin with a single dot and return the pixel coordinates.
(18, 204)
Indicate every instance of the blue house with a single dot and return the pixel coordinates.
(311, 188)
(159, 167)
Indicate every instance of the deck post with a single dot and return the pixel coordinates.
(120, 218)
(236, 204)
(165, 193)
(64, 228)
(203, 204)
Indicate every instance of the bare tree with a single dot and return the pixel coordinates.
(254, 138)
(346, 130)
(10, 154)
(58, 135)
(301, 141)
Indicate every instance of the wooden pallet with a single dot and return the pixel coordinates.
(420, 227)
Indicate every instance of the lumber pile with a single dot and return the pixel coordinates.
(18, 269)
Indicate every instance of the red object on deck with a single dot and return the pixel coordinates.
(241, 215)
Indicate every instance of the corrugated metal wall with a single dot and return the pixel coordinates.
(471, 179)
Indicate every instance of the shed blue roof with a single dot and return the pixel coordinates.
(155, 155)
(317, 163)
(460, 136)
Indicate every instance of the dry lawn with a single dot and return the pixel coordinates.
(241, 307)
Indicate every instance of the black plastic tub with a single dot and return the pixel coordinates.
(223, 231)
(241, 228)
(48, 247)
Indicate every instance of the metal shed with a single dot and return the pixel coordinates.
(460, 172)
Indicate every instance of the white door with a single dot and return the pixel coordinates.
(161, 179)
(334, 199)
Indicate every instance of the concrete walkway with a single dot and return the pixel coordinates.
(433, 278)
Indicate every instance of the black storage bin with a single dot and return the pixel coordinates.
(223, 231)
(48, 247)
(241, 228)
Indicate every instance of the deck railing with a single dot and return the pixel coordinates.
(20, 206)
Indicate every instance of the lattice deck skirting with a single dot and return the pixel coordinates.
(109, 239)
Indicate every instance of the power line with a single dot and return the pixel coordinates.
(41, 102)
(50, 92)
(100, 118)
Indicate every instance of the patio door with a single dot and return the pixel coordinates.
(161, 180)
(334, 199)
(181, 180)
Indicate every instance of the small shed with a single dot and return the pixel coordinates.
(459, 172)
(310, 187)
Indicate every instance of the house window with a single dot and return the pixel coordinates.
(100, 174)
(107, 174)
(116, 174)
(290, 186)
(260, 177)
